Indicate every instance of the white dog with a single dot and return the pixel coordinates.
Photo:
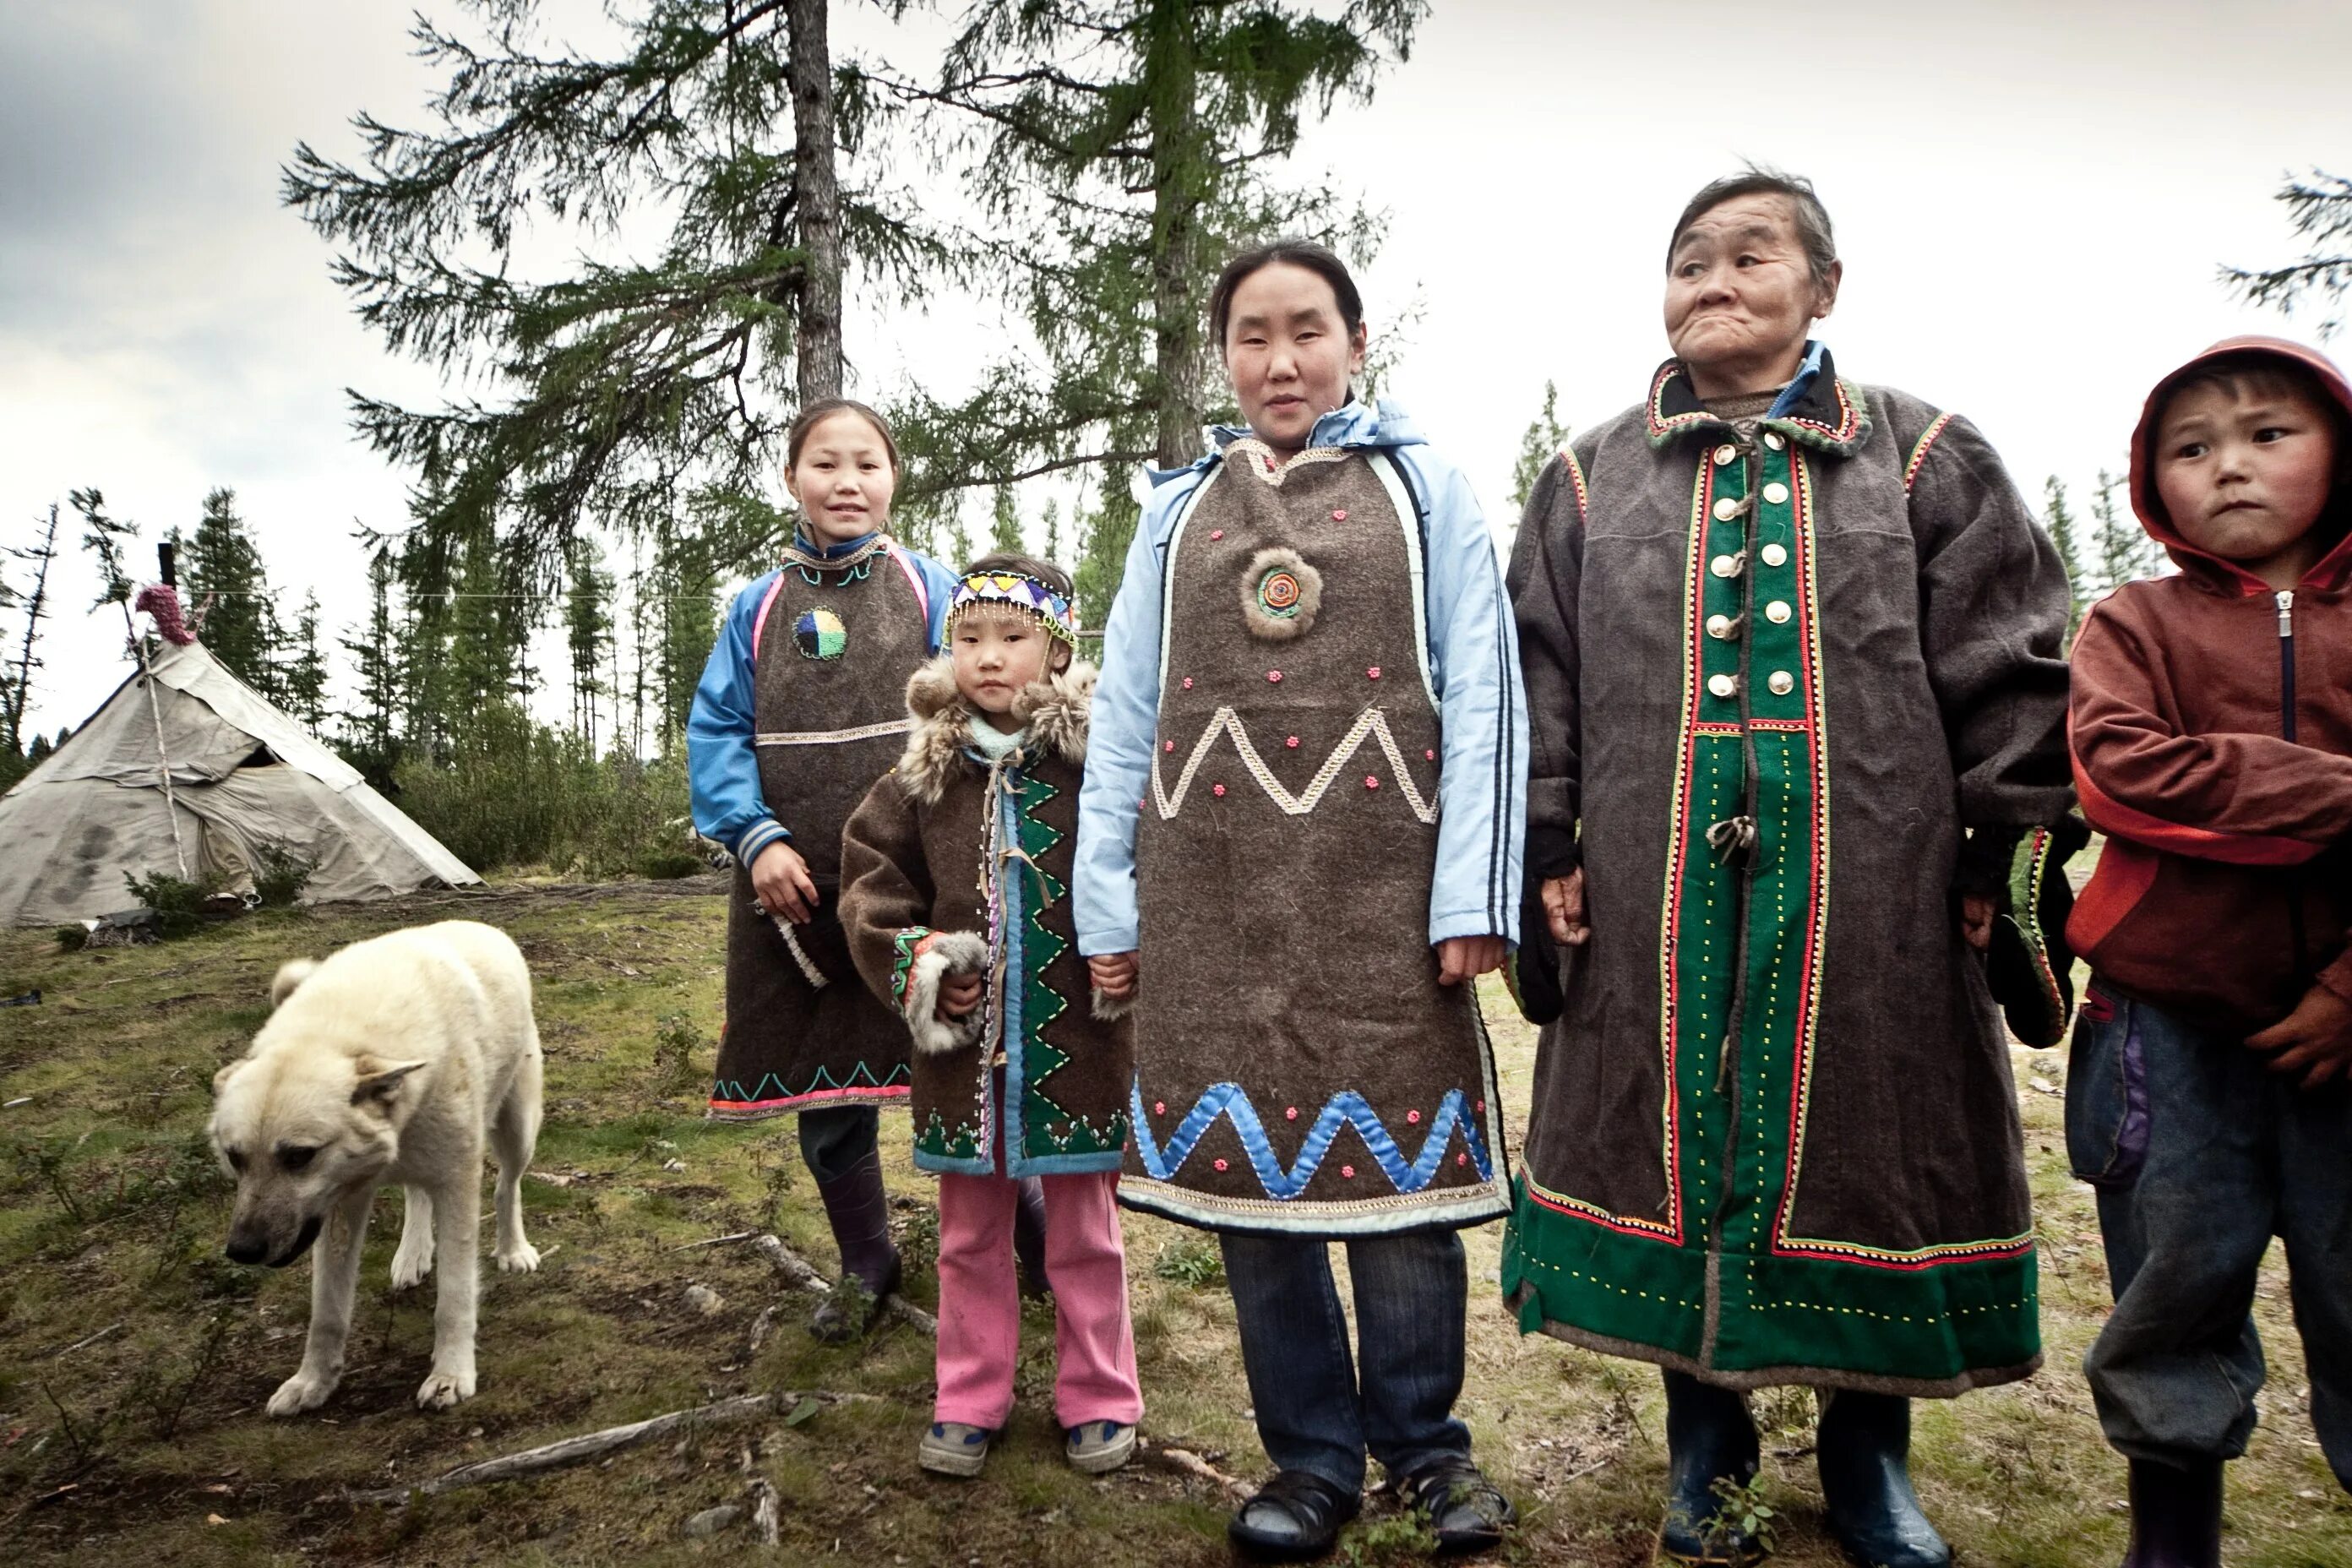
(392, 1061)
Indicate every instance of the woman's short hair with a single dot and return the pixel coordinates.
(1813, 230)
(1319, 259)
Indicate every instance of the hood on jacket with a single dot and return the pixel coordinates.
(1054, 711)
(2335, 569)
(1356, 422)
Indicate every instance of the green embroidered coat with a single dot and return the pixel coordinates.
(1774, 1136)
(956, 865)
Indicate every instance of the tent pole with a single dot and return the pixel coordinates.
(162, 759)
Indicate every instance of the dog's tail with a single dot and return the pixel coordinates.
(291, 976)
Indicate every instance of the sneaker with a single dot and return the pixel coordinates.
(1099, 1447)
(952, 1449)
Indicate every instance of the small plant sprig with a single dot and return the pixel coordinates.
(1741, 1525)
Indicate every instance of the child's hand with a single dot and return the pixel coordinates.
(1563, 902)
(1977, 911)
(1460, 958)
(2315, 1039)
(1114, 974)
(781, 877)
(958, 994)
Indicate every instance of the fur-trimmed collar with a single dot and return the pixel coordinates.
(1053, 711)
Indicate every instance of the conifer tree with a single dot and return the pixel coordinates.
(1004, 523)
(240, 628)
(588, 631)
(16, 685)
(1122, 153)
(2319, 210)
(302, 675)
(2125, 552)
(376, 658)
(1545, 436)
(2059, 519)
(688, 619)
(637, 384)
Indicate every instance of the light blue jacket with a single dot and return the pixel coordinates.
(722, 768)
(1475, 656)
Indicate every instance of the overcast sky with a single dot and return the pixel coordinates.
(2031, 200)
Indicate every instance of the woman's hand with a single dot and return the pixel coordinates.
(1977, 911)
(1563, 902)
(958, 994)
(2316, 1037)
(1460, 958)
(1114, 974)
(781, 877)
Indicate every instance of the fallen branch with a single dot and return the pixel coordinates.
(86, 1340)
(764, 1522)
(715, 1241)
(803, 1275)
(588, 1446)
(1184, 1462)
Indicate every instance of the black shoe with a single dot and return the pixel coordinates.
(1864, 1448)
(1295, 1517)
(1461, 1504)
(2176, 1514)
(1710, 1436)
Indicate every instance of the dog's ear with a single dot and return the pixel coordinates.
(220, 1079)
(379, 1082)
(289, 975)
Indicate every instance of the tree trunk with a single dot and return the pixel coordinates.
(1179, 173)
(816, 201)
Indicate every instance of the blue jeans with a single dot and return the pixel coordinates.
(1412, 1295)
(2199, 1155)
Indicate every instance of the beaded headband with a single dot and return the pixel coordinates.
(1017, 591)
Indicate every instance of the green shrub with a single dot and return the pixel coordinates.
(178, 903)
(514, 792)
(280, 875)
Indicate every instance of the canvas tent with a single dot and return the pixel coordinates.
(244, 775)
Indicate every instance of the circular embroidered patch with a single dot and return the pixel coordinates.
(819, 634)
(1280, 593)
(1277, 594)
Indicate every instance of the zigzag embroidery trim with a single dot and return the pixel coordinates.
(1371, 721)
(1346, 1109)
(833, 737)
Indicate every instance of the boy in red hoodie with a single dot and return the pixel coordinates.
(2210, 1095)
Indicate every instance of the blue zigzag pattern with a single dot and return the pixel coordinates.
(1346, 1109)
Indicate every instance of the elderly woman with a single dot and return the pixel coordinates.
(1774, 1137)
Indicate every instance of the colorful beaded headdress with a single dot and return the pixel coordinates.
(1020, 593)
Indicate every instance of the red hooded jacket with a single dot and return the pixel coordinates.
(2210, 725)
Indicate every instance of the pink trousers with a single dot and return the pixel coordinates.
(980, 1301)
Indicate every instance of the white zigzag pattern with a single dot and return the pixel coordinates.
(1371, 721)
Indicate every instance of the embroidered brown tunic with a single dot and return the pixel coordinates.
(955, 864)
(1774, 1136)
(836, 643)
(1299, 1069)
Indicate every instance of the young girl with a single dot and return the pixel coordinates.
(798, 713)
(955, 873)
(1297, 608)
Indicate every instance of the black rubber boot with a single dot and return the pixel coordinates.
(1709, 1436)
(2176, 1514)
(1864, 1448)
(1295, 1517)
(1029, 1237)
(859, 1210)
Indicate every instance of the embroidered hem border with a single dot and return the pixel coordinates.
(1454, 1208)
(1782, 1318)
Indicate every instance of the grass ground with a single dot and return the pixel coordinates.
(133, 1359)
